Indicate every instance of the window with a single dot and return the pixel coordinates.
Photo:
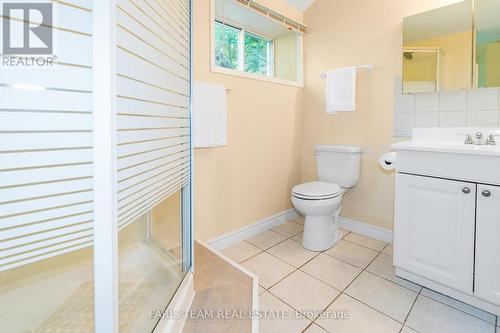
(256, 44)
(226, 46)
(258, 54)
(236, 48)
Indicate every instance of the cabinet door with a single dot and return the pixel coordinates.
(434, 229)
(487, 284)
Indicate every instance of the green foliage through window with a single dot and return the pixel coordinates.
(257, 51)
(256, 54)
(226, 46)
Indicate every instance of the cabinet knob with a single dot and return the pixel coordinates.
(486, 193)
(466, 190)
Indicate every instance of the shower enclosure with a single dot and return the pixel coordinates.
(95, 163)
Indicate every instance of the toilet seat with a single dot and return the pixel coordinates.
(316, 191)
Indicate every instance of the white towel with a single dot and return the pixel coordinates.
(341, 90)
(209, 112)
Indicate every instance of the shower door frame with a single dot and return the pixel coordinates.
(105, 170)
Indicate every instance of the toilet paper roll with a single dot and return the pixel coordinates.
(388, 161)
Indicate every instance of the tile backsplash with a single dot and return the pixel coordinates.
(463, 108)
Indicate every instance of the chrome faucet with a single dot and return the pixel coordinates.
(479, 138)
(491, 140)
(469, 140)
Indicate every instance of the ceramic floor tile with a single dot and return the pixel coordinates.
(268, 268)
(332, 271)
(352, 253)
(315, 329)
(344, 232)
(288, 229)
(430, 316)
(261, 290)
(360, 318)
(240, 251)
(388, 250)
(298, 237)
(382, 266)
(305, 293)
(459, 305)
(281, 318)
(368, 242)
(382, 295)
(292, 252)
(406, 329)
(266, 239)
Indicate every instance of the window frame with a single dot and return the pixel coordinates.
(241, 73)
(242, 33)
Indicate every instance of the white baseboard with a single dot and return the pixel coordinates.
(252, 230)
(181, 303)
(365, 229)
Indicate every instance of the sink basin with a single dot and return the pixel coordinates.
(440, 152)
(458, 148)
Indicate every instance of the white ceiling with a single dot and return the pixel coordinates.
(487, 15)
(443, 21)
(300, 4)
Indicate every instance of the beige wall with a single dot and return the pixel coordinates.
(343, 33)
(285, 46)
(251, 178)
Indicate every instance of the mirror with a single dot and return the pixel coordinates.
(487, 60)
(437, 53)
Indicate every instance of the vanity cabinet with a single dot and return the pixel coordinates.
(434, 229)
(447, 215)
(448, 232)
(487, 272)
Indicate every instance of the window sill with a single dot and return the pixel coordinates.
(227, 71)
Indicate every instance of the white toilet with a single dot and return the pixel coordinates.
(338, 170)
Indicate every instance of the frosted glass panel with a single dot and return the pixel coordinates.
(150, 265)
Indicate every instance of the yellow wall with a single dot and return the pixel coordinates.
(286, 65)
(457, 56)
(344, 33)
(251, 178)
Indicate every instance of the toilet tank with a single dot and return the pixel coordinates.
(338, 164)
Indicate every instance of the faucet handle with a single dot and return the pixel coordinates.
(469, 140)
(491, 140)
(479, 138)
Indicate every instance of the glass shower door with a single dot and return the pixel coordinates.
(153, 260)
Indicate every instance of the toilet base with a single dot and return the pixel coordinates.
(320, 233)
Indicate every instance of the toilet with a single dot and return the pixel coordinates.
(319, 201)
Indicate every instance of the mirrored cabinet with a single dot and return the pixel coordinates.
(453, 47)
(487, 43)
(438, 49)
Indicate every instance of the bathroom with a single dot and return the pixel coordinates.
(182, 166)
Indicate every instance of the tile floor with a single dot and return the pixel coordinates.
(348, 288)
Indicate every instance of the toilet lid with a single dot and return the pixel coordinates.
(316, 190)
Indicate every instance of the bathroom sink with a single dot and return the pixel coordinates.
(441, 152)
(458, 148)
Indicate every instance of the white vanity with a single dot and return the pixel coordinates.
(447, 215)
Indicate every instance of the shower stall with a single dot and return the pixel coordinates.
(95, 163)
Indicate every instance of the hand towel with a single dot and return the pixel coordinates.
(209, 115)
(341, 90)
